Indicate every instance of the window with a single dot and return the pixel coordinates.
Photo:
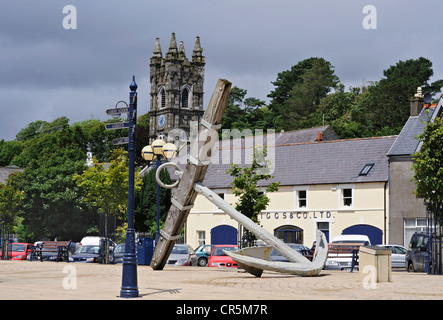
(412, 226)
(302, 198)
(201, 237)
(347, 197)
(161, 98)
(366, 169)
(185, 98)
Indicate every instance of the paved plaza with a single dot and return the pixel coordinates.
(25, 280)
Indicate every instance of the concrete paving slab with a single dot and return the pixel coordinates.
(25, 280)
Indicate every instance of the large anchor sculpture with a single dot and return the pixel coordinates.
(253, 259)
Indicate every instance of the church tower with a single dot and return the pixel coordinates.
(176, 89)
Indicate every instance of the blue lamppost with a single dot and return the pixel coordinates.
(157, 150)
(129, 287)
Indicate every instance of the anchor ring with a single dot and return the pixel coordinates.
(178, 172)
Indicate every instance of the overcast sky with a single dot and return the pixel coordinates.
(48, 71)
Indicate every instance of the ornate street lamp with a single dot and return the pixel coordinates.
(158, 149)
(129, 288)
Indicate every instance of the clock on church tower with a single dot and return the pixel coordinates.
(176, 90)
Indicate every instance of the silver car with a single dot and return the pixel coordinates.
(180, 255)
(398, 255)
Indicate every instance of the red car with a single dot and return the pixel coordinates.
(219, 259)
(18, 251)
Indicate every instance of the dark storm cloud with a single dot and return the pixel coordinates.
(47, 71)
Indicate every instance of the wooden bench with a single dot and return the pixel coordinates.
(59, 248)
(341, 251)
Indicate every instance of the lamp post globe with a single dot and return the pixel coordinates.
(157, 146)
(148, 153)
(169, 150)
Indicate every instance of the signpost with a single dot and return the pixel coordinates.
(120, 141)
(115, 111)
(117, 125)
(129, 287)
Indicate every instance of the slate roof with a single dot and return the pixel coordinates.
(5, 171)
(327, 162)
(406, 143)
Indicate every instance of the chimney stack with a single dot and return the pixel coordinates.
(416, 103)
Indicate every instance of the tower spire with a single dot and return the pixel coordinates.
(181, 51)
(197, 53)
(173, 44)
(157, 49)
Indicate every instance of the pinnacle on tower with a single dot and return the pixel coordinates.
(173, 44)
(157, 49)
(181, 51)
(197, 53)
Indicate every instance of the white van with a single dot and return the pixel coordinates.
(352, 238)
(344, 262)
(95, 241)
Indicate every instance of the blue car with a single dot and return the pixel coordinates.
(87, 254)
(200, 256)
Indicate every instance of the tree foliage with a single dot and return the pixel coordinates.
(52, 205)
(252, 199)
(145, 213)
(428, 164)
(106, 188)
(11, 198)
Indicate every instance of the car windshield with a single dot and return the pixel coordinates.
(180, 250)
(218, 251)
(88, 249)
(120, 248)
(18, 247)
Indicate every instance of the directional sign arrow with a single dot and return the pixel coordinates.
(117, 110)
(117, 125)
(120, 141)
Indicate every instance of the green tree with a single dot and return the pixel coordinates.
(243, 113)
(428, 165)
(428, 177)
(305, 96)
(106, 188)
(10, 200)
(386, 107)
(9, 150)
(52, 205)
(252, 200)
(42, 127)
(145, 212)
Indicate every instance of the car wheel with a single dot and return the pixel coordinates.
(202, 262)
(410, 267)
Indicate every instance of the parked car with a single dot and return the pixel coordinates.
(398, 255)
(88, 254)
(96, 241)
(18, 251)
(180, 255)
(200, 256)
(276, 256)
(219, 259)
(344, 261)
(417, 250)
(119, 252)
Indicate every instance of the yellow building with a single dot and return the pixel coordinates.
(337, 186)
